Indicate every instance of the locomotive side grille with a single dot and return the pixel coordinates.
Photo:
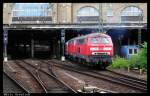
(98, 57)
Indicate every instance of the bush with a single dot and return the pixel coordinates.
(119, 62)
(140, 60)
(137, 61)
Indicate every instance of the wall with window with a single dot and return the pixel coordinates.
(112, 13)
(13, 10)
(130, 12)
(87, 14)
(69, 12)
(32, 13)
(78, 6)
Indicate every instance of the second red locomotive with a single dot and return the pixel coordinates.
(95, 49)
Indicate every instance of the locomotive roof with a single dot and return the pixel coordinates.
(90, 35)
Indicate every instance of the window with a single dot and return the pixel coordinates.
(132, 14)
(100, 40)
(28, 12)
(87, 14)
(135, 51)
(110, 13)
(109, 9)
(74, 42)
(130, 51)
(81, 41)
(70, 42)
(104, 40)
(32, 9)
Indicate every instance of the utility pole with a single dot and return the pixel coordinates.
(100, 21)
(102, 17)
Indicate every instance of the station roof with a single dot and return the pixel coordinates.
(71, 26)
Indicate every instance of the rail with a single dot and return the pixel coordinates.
(16, 82)
(53, 76)
(141, 87)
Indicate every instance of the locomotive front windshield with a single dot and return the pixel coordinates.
(100, 40)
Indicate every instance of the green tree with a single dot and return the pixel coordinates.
(140, 60)
(136, 61)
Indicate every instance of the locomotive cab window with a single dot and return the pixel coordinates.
(104, 40)
(95, 40)
(70, 42)
(100, 40)
(130, 51)
(81, 41)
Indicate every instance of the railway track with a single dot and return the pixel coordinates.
(118, 75)
(85, 90)
(33, 74)
(24, 77)
(22, 88)
(48, 80)
(128, 78)
(133, 83)
(115, 78)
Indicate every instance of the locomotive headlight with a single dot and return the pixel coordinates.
(94, 48)
(107, 48)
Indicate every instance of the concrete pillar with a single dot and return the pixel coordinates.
(5, 54)
(54, 48)
(5, 37)
(63, 44)
(32, 46)
(58, 48)
(25, 48)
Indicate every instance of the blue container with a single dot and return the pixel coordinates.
(128, 50)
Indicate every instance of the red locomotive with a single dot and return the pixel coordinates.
(95, 49)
